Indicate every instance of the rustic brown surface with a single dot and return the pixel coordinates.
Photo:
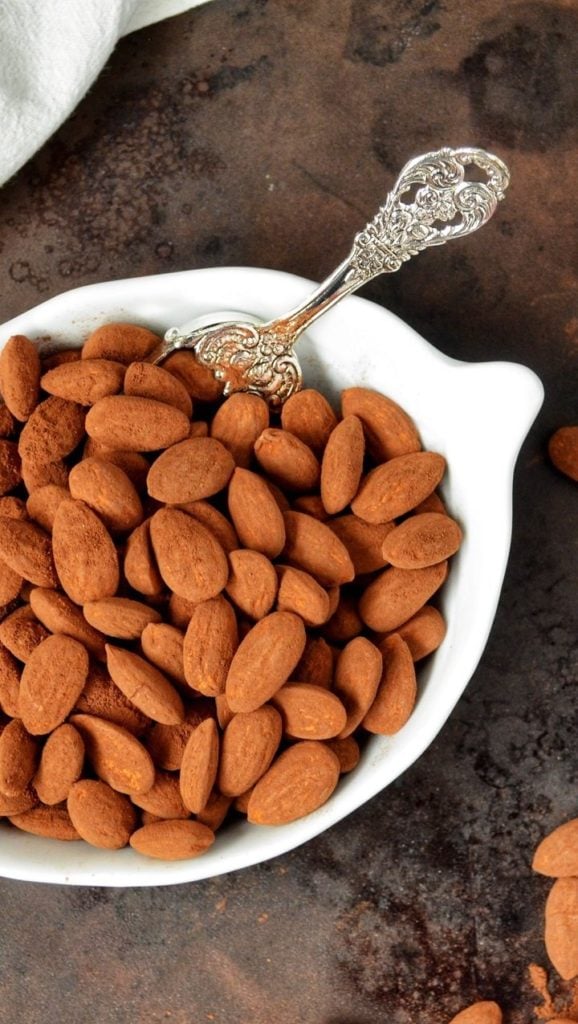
(255, 132)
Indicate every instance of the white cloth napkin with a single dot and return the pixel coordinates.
(50, 53)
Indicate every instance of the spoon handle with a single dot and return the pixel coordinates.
(442, 195)
(431, 202)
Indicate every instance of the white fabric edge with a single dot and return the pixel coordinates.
(147, 12)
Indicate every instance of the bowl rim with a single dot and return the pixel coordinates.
(29, 865)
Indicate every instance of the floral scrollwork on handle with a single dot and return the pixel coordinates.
(446, 205)
(251, 358)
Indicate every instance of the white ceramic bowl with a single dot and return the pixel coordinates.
(477, 415)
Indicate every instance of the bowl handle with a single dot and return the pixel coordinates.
(508, 396)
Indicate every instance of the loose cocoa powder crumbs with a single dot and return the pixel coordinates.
(539, 982)
(562, 1006)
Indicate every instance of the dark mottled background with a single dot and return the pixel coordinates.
(256, 132)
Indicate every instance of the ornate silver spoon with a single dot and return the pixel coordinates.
(432, 201)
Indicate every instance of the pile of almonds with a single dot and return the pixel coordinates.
(203, 611)
(556, 857)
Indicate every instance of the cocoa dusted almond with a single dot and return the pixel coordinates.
(299, 782)
(358, 672)
(172, 840)
(20, 376)
(316, 663)
(312, 505)
(210, 643)
(101, 698)
(115, 754)
(424, 632)
(43, 503)
(27, 550)
(167, 743)
(199, 765)
(422, 540)
(300, 592)
(149, 381)
(135, 465)
(484, 1012)
(308, 415)
(397, 486)
(84, 553)
(563, 451)
(108, 491)
(136, 424)
(61, 763)
(9, 683)
(433, 503)
(190, 471)
(252, 583)
(347, 752)
(60, 357)
(140, 567)
(389, 430)
(309, 712)
(100, 815)
(190, 559)
(237, 424)
(49, 822)
(123, 343)
(10, 805)
(37, 474)
(163, 645)
(200, 428)
(397, 594)
(279, 496)
(264, 660)
(312, 546)
(84, 381)
(215, 810)
(21, 632)
(12, 507)
(52, 680)
(18, 752)
(248, 747)
(342, 464)
(143, 684)
(256, 515)
(561, 934)
(364, 541)
(10, 467)
(199, 380)
(7, 422)
(346, 622)
(214, 520)
(287, 460)
(53, 431)
(180, 611)
(557, 854)
(397, 691)
(120, 617)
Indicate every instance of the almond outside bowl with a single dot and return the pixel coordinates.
(476, 415)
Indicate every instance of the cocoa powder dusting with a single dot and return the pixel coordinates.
(563, 1006)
